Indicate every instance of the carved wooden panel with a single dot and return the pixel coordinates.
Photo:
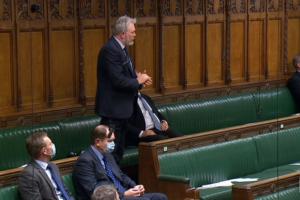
(274, 48)
(6, 68)
(275, 5)
(215, 53)
(171, 53)
(255, 50)
(293, 40)
(257, 6)
(62, 9)
(63, 69)
(93, 40)
(237, 51)
(194, 55)
(31, 69)
(171, 7)
(145, 8)
(25, 12)
(293, 5)
(215, 7)
(238, 6)
(5, 10)
(92, 9)
(145, 53)
(194, 7)
(120, 7)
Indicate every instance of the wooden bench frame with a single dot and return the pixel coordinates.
(149, 174)
(265, 187)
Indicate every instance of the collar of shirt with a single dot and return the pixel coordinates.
(120, 43)
(42, 164)
(98, 154)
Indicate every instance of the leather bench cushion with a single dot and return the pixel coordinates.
(278, 148)
(130, 157)
(12, 144)
(75, 134)
(219, 193)
(9, 193)
(274, 103)
(287, 194)
(68, 181)
(202, 115)
(213, 163)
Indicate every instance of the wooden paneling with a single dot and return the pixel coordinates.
(93, 39)
(293, 39)
(6, 68)
(256, 34)
(48, 56)
(274, 41)
(171, 53)
(215, 53)
(63, 65)
(31, 71)
(194, 55)
(145, 48)
(237, 53)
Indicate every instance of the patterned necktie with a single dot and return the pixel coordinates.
(111, 175)
(128, 58)
(58, 183)
(153, 116)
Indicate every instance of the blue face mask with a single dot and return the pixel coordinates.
(110, 146)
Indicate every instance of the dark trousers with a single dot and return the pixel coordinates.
(119, 126)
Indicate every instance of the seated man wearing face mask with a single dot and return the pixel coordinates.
(41, 179)
(96, 167)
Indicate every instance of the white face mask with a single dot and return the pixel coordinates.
(53, 150)
(110, 146)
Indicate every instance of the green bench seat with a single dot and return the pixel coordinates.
(263, 156)
(287, 194)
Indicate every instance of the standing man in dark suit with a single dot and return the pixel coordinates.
(142, 127)
(294, 81)
(96, 167)
(41, 179)
(118, 82)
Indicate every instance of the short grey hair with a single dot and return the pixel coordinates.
(121, 25)
(296, 61)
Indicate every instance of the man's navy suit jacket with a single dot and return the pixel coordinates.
(117, 84)
(89, 173)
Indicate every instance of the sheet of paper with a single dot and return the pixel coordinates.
(227, 183)
(295, 164)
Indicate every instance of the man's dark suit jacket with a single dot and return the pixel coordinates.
(89, 173)
(117, 84)
(294, 87)
(136, 124)
(34, 183)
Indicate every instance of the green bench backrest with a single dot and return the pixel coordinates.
(76, 133)
(213, 163)
(278, 148)
(12, 144)
(203, 115)
(288, 194)
(274, 103)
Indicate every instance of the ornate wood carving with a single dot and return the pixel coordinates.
(6, 10)
(292, 5)
(115, 10)
(215, 7)
(59, 11)
(145, 11)
(194, 7)
(237, 6)
(275, 5)
(86, 12)
(171, 8)
(24, 11)
(257, 6)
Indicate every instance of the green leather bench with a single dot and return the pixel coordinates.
(288, 194)
(71, 136)
(263, 156)
(231, 110)
(12, 193)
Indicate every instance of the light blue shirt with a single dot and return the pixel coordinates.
(99, 155)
